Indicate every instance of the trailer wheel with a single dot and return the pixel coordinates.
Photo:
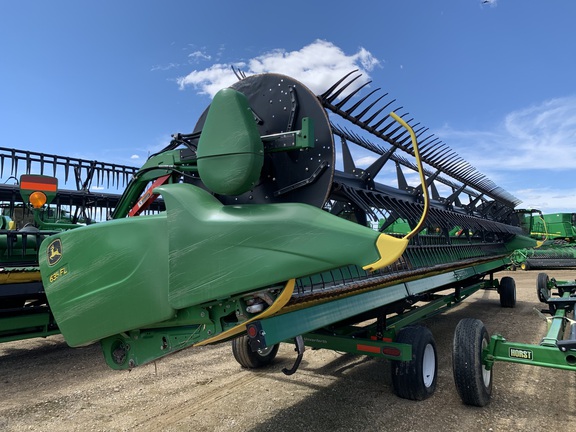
(416, 379)
(473, 381)
(252, 359)
(507, 291)
(525, 266)
(542, 289)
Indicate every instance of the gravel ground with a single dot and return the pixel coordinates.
(46, 386)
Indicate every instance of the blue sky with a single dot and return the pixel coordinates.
(111, 80)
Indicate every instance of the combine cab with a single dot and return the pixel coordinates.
(266, 237)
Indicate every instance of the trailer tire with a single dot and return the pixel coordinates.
(542, 289)
(507, 291)
(416, 379)
(473, 381)
(252, 359)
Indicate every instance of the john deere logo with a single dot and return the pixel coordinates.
(54, 252)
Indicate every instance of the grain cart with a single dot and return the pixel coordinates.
(267, 238)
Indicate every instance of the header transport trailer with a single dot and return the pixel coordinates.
(266, 236)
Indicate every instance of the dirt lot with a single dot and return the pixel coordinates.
(45, 386)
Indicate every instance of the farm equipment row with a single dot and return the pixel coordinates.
(24, 310)
(264, 237)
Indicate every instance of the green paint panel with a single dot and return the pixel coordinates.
(536, 355)
(218, 251)
(111, 277)
(230, 151)
(286, 326)
(135, 272)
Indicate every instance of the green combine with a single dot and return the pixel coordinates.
(265, 236)
(556, 234)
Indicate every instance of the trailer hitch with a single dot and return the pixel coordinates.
(300, 348)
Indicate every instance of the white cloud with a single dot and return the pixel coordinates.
(134, 156)
(531, 153)
(317, 65)
(549, 199)
(209, 81)
(365, 161)
(541, 137)
(164, 67)
(199, 55)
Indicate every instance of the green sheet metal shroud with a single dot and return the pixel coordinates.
(192, 253)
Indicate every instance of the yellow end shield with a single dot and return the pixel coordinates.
(390, 249)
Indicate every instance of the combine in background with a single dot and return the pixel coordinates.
(557, 232)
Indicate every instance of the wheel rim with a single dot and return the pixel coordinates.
(486, 374)
(429, 365)
(263, 352)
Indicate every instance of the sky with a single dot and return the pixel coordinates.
(112, 80)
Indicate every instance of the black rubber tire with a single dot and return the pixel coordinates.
(525, 265)
(542, 290)
(473, 381)
(507, 291)
(416, 379)
(250, 359)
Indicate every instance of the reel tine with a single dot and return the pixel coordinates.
(373, 116)
(361, 101)
(14, 168)
(347, 98)
(338, 92)
(28, 162)
(66, 170)
(327, 93)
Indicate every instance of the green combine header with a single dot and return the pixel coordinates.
(270, 232)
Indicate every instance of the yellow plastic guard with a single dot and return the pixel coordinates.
(390, 249)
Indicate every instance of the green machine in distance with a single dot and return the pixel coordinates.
(266, 237)
(556, 235)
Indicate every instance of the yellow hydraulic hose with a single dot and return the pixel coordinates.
(278, 304)
(420, 172)
(391, 248)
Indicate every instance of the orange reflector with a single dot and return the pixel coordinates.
(252, 331)
(37, 199)
(368, 348)
(391, 351)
